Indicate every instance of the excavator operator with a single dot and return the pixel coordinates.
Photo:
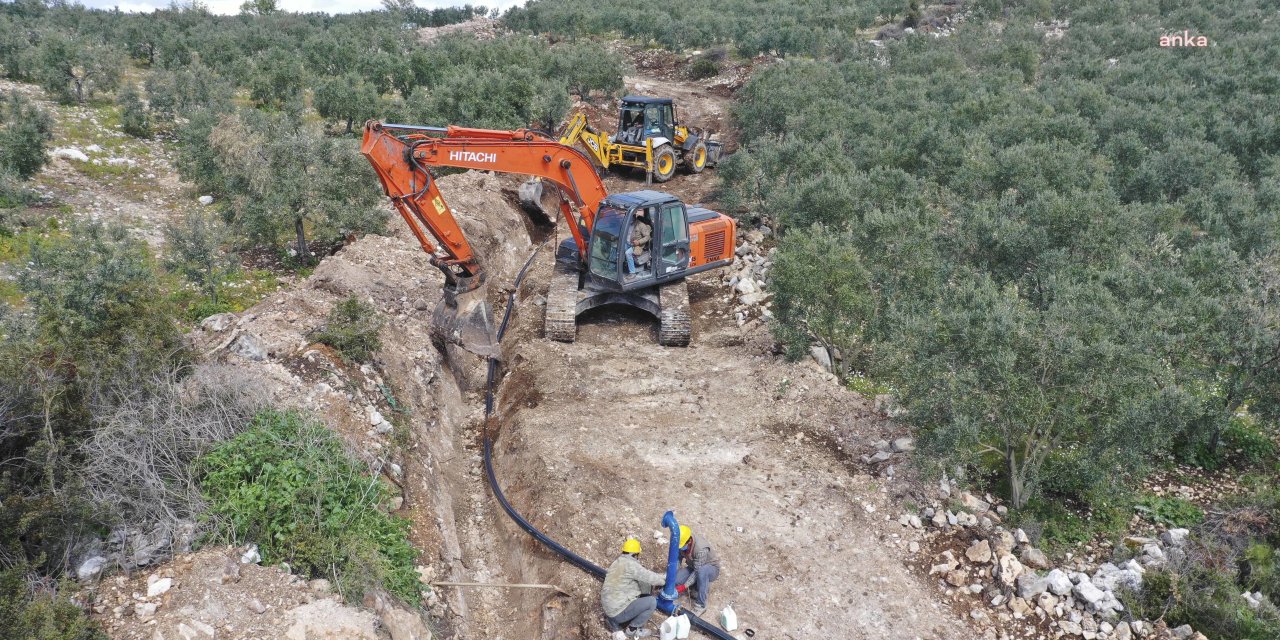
(638, 255)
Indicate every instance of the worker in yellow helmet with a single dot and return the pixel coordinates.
(626, 596)
(701, 568)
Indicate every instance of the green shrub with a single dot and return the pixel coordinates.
(40, 613)
(24, 131)
(704, 67)
(288, 485)
(352, 328)
(12, 193)
(134, 119)
(1173, 512)
(1245, 439)
(1201, 592)
(195, 251)
(1059, 527)
(912, 19)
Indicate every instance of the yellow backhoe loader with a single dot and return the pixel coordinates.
(648, 138)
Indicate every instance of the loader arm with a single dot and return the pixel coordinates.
(401, 155)
(593, 142)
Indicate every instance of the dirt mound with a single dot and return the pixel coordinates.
(480, 27)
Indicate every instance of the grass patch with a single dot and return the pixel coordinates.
(1057, 527)
(20, 230)
(238, 292)
(865, 386)
(288, 485)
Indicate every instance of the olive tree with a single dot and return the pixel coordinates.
(195, 249)
(346, 98)
(282, 175)
(823, 293)
(75, 70)
(25, 129)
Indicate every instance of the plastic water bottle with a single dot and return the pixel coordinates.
(668, 629)
(729, 618)
(683, 626)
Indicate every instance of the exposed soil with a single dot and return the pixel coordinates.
(602, 436)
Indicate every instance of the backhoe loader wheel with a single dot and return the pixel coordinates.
(664, 163)
(695, 159)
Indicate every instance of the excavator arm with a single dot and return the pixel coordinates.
(402, 155)
(402, 160)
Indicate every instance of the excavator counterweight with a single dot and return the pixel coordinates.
(632, 248)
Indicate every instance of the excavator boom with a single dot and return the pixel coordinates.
(402, 161)
(401, 156)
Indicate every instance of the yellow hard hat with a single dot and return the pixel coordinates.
(631, 546)
(685, 534)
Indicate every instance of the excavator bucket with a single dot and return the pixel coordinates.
(531, 197)
(463, 318)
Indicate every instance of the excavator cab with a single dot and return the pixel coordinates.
(640, 239)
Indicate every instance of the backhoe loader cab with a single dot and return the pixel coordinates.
(642, 119)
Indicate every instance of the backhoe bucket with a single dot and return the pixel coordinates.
(715, 149)
(463, 318)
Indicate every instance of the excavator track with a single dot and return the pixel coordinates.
(675, 325)
(562, 304)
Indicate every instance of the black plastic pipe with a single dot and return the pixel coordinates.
(579, 561)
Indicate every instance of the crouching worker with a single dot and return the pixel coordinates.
(701, 568)
(626, 595)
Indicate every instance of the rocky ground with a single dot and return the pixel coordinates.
(100, 173)
(223, 593)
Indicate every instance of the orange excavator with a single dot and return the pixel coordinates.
(632, 248)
